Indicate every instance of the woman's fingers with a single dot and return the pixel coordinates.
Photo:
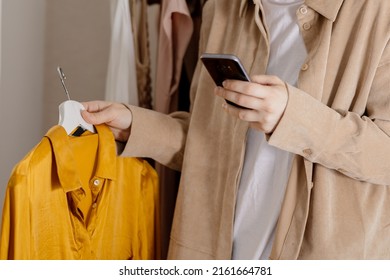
(116, 115)
(265, 99)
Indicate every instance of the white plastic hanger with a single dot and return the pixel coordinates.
(70, 112)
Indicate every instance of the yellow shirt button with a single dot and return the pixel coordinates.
(96, 182)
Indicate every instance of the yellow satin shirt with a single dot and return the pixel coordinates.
(74, 198)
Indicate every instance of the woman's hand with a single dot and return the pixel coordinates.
(265, 97)
(116, 115)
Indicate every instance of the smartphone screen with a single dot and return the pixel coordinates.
(223, 67)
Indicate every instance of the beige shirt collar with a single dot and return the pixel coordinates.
(328, 9)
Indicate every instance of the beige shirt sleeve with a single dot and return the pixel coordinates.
(357, 146)
(158, 136)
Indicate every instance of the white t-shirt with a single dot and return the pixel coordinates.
(266, 169)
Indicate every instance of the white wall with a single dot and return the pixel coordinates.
(38, 35)
(1, 5)
(77, 39)
(21, 85)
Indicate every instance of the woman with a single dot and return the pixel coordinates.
(303, 173)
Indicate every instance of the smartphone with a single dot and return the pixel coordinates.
(223, 67)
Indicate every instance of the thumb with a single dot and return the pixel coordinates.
(94, 118)
(267, 80)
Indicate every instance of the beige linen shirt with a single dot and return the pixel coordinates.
(337, 122)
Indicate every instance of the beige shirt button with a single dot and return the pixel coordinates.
(307, 152)
(303, 10)
(94, 205)
(305, 67)
(306, 26)
(96, 182)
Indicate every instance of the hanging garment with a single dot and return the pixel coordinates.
(139, 18)
(176, 28)
(121, 83)
(191, 56)
(174, 35)
(74, 198)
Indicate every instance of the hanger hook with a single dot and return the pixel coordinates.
(63, 78)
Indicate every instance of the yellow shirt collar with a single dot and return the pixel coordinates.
(65, 160)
